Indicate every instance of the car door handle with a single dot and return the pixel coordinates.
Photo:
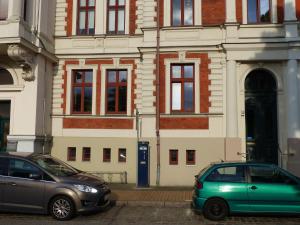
(253, 187)
(12, 184)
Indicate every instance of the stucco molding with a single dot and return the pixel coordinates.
(24, 59)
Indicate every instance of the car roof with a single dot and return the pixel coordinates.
(18, 154)
(237, 163)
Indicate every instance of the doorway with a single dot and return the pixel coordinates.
(261, 117)
(4, 124)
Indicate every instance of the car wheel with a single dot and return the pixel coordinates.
(62, 208)
(215, 209)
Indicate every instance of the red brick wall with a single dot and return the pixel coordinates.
(184, 123)
(239, 11)
(132, 17)
(280, 10)
(298, 9)
(69, 17)
(97, 123)
(213, 12)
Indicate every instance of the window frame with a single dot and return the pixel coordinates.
(258, 20)
(182, 14)
(105, 159)
(116, 8)
(85, 8)
(84, 157)
(120, 159)
(82, 85)
(117, 84)
(192, 162)
(69, 158)
(5, 18)
(171, 162)
(181, 80)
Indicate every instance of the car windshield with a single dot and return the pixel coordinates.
(54, 166)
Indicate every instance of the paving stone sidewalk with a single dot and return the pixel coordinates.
(128, 194)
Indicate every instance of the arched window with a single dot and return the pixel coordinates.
(5, 77)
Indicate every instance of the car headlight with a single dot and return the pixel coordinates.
(85, 188)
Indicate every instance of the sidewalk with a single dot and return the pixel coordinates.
(129, 194)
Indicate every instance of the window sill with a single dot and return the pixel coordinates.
(265, 25)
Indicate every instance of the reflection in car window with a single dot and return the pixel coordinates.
(264, 174)
(227, 174)
(21, 168)
(3, 166)
(54, 166)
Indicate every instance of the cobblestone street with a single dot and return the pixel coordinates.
(127, 215)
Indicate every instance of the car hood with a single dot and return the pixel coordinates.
(84, 178)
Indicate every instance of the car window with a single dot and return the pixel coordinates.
(227, 174)
(21, 168)
(265, 174)
(3, 166)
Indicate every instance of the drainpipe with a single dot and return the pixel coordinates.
(157, 92)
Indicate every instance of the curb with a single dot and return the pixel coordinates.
(167, 204)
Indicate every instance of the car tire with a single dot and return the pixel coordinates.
(62, 208)
(215, 209)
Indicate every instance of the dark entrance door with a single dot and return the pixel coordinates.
(4, 124)
(143, 164)
(261, 117)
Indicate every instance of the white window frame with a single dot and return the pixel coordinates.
(116, 66)
(70, 69)
(273, 8)
(100, 17)
(197, 13)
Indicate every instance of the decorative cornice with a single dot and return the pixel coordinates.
(24, 59)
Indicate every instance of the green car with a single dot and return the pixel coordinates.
(224, 188)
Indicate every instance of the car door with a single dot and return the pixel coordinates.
(3, 174)
(272, 190)
(23, 191)
(229, 183)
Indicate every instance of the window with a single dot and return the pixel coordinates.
(71, 154)
(190, 157)
(21, 168)
(5, 77)
(227, 174)
(173, 157)
(82, 82)
(116, 91)
(86, 154)
(182, 88)
(182, 12)
(86, 17)
(122, 154)
(106, 155)
(263, 174)
(3, 166)
(3, 9)
(116, 16)
(259, 11)
(25, 10)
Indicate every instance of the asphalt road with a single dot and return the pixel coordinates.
(129, 215)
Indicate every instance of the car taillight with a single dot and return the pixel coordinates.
(199, 185)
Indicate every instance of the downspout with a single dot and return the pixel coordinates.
(157, 92)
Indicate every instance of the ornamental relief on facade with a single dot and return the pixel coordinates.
(24, 59)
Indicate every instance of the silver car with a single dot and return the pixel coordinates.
(36, 183)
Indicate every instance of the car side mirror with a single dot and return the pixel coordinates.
(35, 176)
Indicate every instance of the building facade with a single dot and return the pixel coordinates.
(26, 68)
(195, 81)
